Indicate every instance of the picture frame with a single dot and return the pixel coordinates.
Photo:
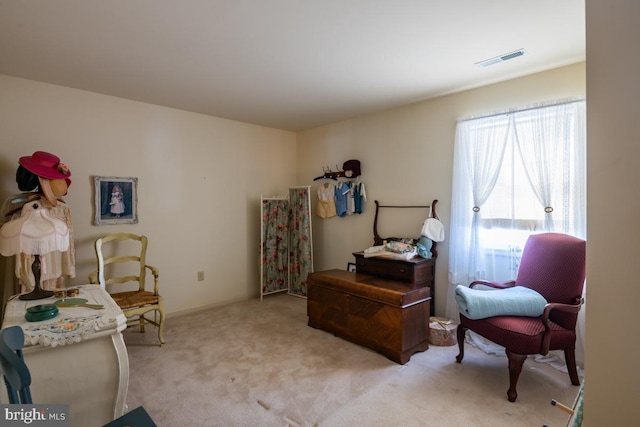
(116, 200)
(351, 266)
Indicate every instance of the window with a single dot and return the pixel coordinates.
(515, 174)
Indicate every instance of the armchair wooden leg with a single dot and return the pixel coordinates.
(570, 358)
(515, 367)
(460, 332)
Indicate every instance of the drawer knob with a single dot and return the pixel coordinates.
(402, 270)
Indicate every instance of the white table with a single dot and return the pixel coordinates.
(77, 358)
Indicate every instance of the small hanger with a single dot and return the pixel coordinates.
(328, 174)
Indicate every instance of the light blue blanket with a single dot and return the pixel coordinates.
(516, 301)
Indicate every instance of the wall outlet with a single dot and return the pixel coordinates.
(200, 276)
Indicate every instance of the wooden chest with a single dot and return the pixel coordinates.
(388, 316)
(420, 272)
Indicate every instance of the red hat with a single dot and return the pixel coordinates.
(45, 165)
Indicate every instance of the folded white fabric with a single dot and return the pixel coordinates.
(433, 229)
(516, 301)
(373, 249)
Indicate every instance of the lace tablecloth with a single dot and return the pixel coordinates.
(72, 324)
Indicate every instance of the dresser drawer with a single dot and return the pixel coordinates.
(389, 269)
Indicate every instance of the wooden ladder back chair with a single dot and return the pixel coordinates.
(116, 272)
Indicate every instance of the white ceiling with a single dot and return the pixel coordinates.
(288, 64)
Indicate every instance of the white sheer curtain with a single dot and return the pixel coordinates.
(552, 146)
(515, 173)
(479, 152)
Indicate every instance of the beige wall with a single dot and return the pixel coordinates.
(407, 158)
(200, 181)
(612, 344)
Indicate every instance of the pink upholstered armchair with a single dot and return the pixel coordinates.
(553, 265)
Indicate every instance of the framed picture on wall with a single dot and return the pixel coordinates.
(116, 200)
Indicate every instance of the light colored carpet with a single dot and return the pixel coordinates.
(258, 364)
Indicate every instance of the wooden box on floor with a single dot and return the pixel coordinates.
(388, 316)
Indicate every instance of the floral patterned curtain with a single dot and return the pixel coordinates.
(275, 246)
(300, 248)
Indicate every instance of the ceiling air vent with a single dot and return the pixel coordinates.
(501, 58)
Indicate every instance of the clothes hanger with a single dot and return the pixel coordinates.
(328, 174)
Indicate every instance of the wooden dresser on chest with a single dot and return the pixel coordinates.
(419, 272)
(384, 305)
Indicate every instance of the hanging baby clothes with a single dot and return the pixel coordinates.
(341, 198)
(326, 200)
(351, 204)
(359, 195)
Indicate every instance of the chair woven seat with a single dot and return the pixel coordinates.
(132, 299)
